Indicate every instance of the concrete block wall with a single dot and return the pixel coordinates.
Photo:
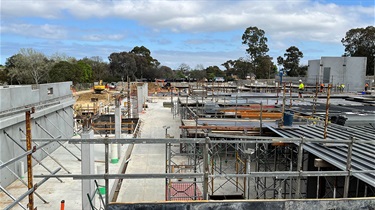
(57, 119)
(350, 71)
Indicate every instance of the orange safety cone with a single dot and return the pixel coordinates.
(62, 207)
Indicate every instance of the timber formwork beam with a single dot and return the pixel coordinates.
(221, 128)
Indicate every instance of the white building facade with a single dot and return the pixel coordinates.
(350, 71)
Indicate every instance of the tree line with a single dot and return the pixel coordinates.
(29, 66)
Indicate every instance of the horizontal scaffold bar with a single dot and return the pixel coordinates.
(277, 174)
(225, 139)
(124, 176)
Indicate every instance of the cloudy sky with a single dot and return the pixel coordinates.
(194, 32)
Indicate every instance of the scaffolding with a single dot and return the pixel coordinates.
(204, 165)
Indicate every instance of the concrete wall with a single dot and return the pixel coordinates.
(350, 71)
(142, 95)
(56, 118)
(18, 96)
(343, 204)
(313, 71)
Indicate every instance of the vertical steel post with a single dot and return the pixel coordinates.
(236, 106)
(291, 169)
(315, 99)
(128, 98)
(299, 167)
(348, 167)
(261, 118)
(236, 166)
(291, 97)
(172, 107)
(106, 151)
(248, 178)
(212, 172)
(277, 93)
(245, 178)
(169, 170)
(317, 185)
(29, 159)
(327, 111)
(205, 165)
(166, 171)
(283, 107)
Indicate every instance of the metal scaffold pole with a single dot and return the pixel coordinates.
(348, 167)
(327, 111)
(30, 205)
(315, 99)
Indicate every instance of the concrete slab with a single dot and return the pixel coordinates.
(150, 158)
(145, 159)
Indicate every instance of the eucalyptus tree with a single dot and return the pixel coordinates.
(257, 49)
(290, 61)
(361, 42)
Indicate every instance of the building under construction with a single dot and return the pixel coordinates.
(195, 146)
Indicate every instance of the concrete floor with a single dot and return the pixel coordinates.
(150, 158)
(53, 191)
(144, 159)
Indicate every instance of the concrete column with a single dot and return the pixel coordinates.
(118, 127)
(140, 98)
(87, 167)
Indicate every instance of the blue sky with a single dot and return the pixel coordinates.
(194, 32)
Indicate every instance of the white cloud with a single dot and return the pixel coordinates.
(301, 17)
(103, 37)
(286, 22)
(46, 31)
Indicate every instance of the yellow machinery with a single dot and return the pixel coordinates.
(99, 87)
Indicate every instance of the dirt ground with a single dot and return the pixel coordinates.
(85, 97)
(106, 97)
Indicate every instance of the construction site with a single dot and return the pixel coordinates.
(188, 145)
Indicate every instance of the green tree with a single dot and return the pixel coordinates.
(256, 41)
(165, 72)
(214, 71)
(290, 61)
(239, 68)
(360, 42)
(100, 69)
(302, 70)
(61, 71)
(122, 65)
(136, 63)
(65, 71)
(10, 65)
(57, 57)
(4, 78)
(145, 62)
(86, 71)
(265, 67)
(30, 66)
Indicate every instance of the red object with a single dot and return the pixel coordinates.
(183, 191)
(62, 207)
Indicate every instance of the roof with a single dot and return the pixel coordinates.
(363, 155)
